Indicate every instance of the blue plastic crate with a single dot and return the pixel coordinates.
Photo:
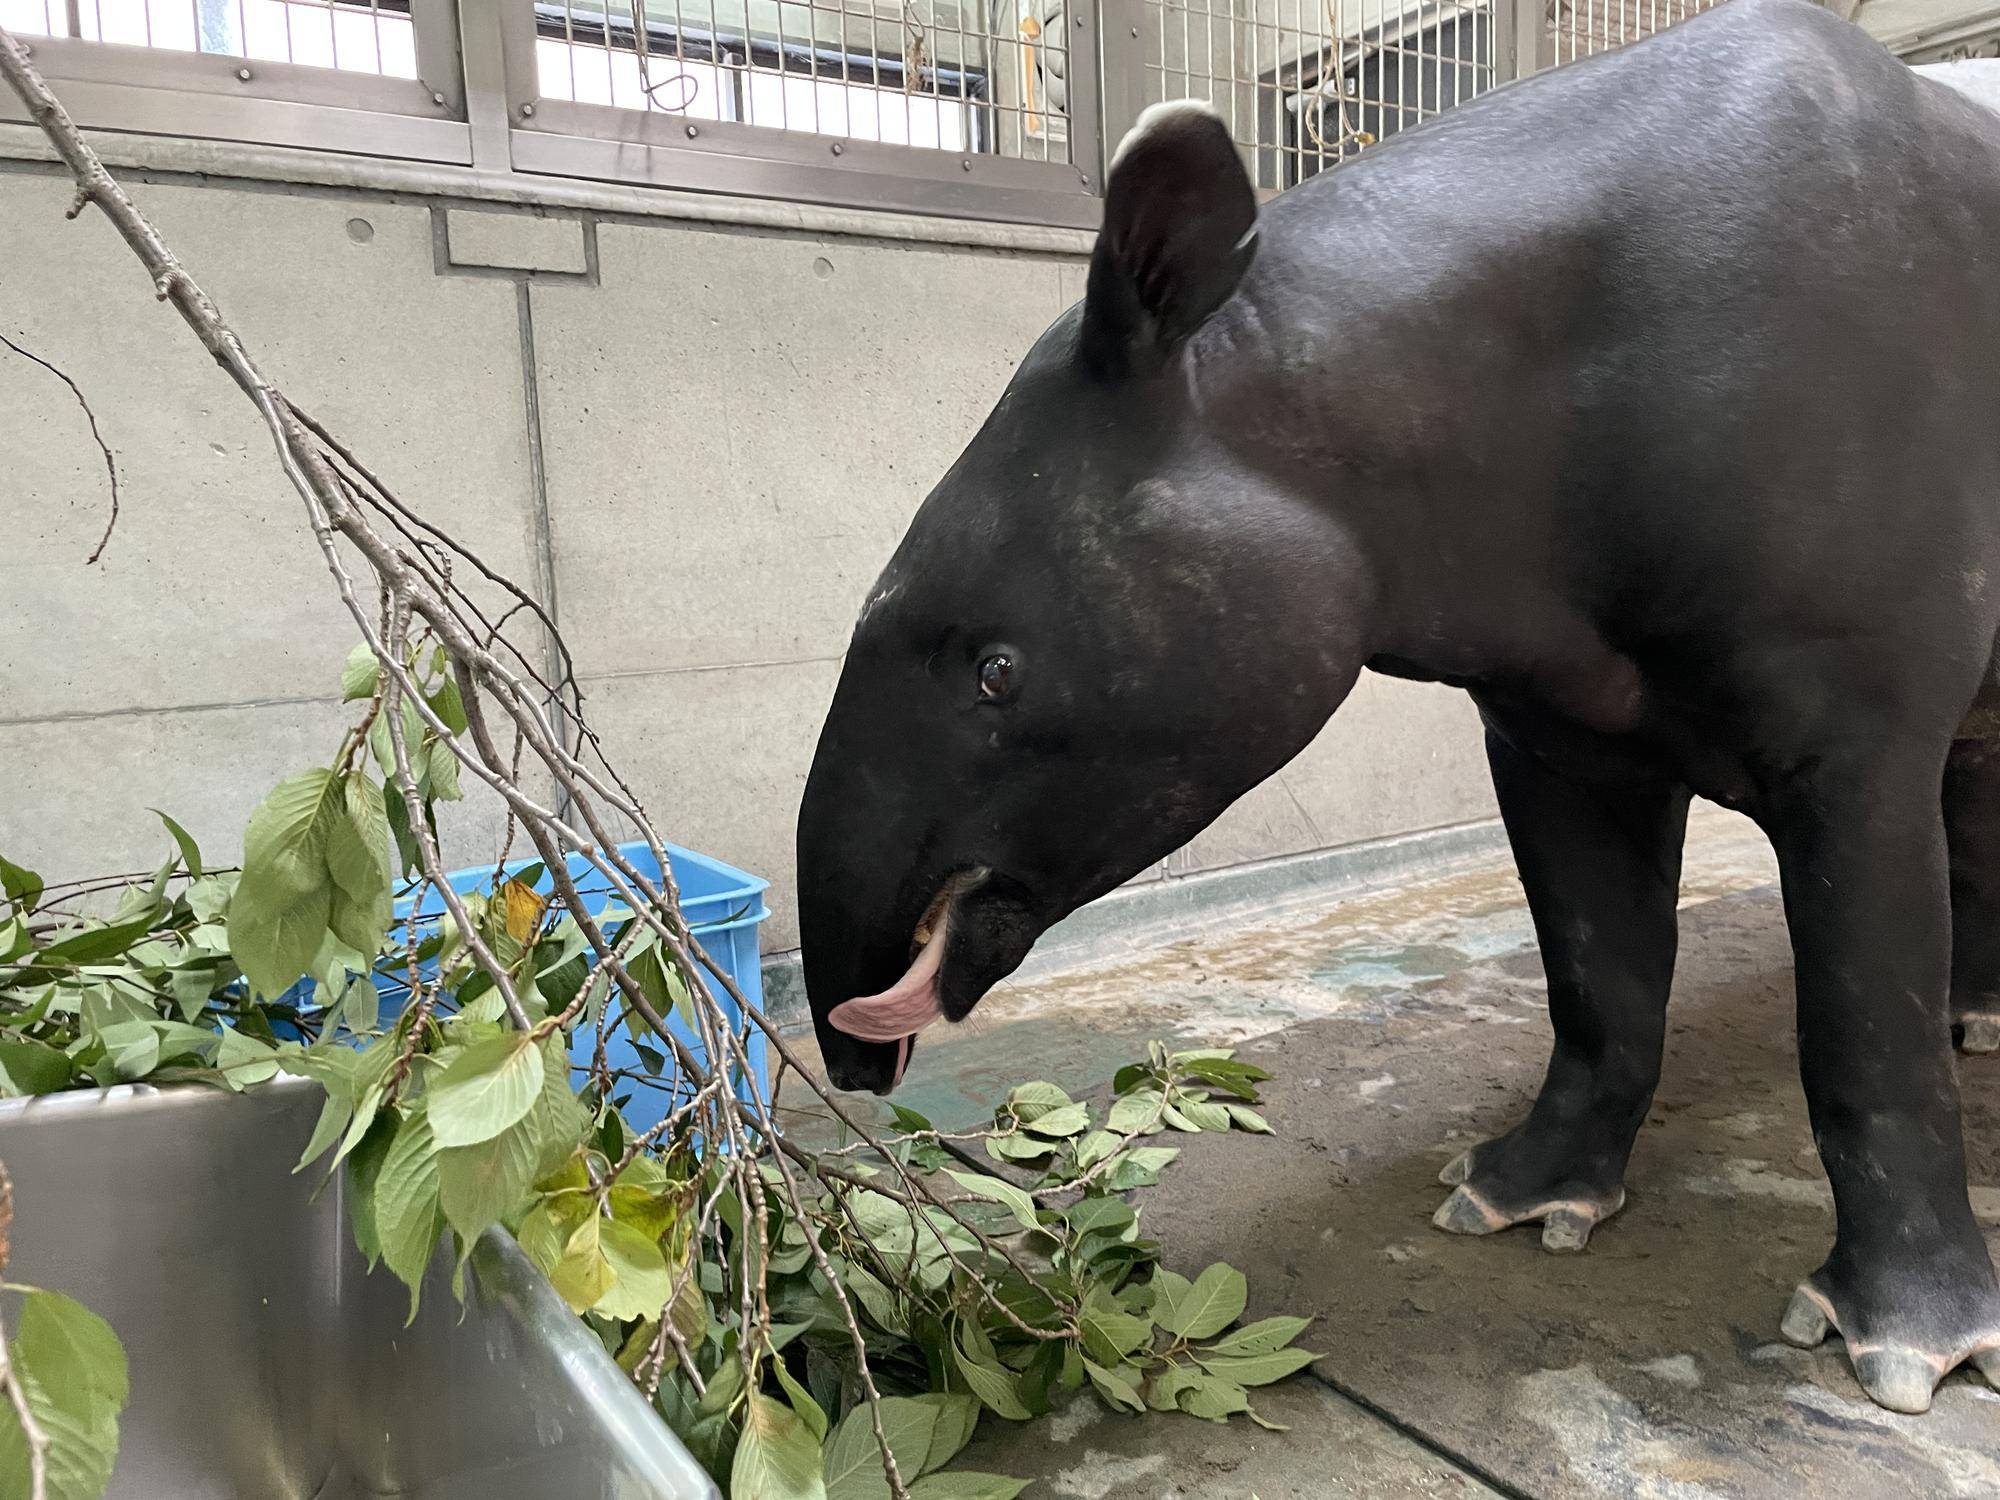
(723, 906)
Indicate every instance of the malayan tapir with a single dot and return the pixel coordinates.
(1656, 403)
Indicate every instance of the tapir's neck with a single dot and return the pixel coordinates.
(1422, 424)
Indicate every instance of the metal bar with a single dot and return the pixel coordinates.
(1120, 76)
(282, 122)
(1083, 71)
(434, 27)
(865, 175)
(497, 42)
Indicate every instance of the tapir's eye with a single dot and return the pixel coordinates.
(996, 677)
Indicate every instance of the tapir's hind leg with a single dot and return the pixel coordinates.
(1972, 826)
(1862, 855)
(1602, 873)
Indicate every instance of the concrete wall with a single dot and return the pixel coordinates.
(734, 428)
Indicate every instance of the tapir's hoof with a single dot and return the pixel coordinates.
(1978, 1031)
(1566, 1222)
(1895, 1376)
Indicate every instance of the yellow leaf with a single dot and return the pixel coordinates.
(525, 906)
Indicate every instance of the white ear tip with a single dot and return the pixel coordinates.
(1156, 117)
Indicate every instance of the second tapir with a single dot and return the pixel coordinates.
(1656, 403)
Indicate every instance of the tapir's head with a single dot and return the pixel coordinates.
(1097, 634)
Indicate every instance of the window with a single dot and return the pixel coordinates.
(759, 76)
(372, 38)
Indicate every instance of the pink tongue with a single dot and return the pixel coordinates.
(902, 1010)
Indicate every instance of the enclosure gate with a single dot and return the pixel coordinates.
(995, 109)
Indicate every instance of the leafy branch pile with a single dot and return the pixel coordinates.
(789, 1310)
(1022, 1280)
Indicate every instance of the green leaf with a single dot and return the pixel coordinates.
(1211, 1304)
(364, 1171)
(1016, 1146)
(777, 1457)
(1203, 1115)
(1133, 1111)
(406, 1202)
(583, 1275)
(965, 1484)
(1260, 1338)
(1114, 1386)
(357, 856)
(1030, 1101)
(485, 1089)
(1139, 1167)
(444, 773)
(244, 1060)
(449, 706)
(1056, 1123)
(1248, 1119)
(854, 1460)
(1109, 1332)
(1164, 1390)
(809, 1410)
(70, 1350)
(958, 1417)
(1214, 1399)
(284, 896)
(72, 1376)
(643, 1285)
(22, 887)
(1257, 1369)
(998, 1389)
(95, 945)
(29, 1068)
(184, 841)
(334, 1115)
(994, 1190)
(359, 676)
(409, 858)
(480, 1185)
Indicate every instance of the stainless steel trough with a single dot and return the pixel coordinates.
(266, 1363)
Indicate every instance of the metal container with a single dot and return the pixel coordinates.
(266, 1363)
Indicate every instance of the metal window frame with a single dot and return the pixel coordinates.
(477, 104)
(160, 91)
(559, 138)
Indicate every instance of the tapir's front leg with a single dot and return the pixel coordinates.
(1601, 866)
(1909, 1285)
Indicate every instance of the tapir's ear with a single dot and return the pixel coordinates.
(1180, 226)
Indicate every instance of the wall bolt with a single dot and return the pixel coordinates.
(1135, 31)
(838, 148)
(527, 111)
(967, 164)
(692, 132)
(437, 96)
(243, 74)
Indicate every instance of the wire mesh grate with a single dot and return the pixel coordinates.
(374, 36)
(1582, 28)
(1305, 84)
(986, 76)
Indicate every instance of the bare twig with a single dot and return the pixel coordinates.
(110, 463)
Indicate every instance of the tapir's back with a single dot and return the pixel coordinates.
(1721, 305)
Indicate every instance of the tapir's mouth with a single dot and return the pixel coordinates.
(898, 1013)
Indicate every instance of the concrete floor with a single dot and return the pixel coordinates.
(1402, 1026)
